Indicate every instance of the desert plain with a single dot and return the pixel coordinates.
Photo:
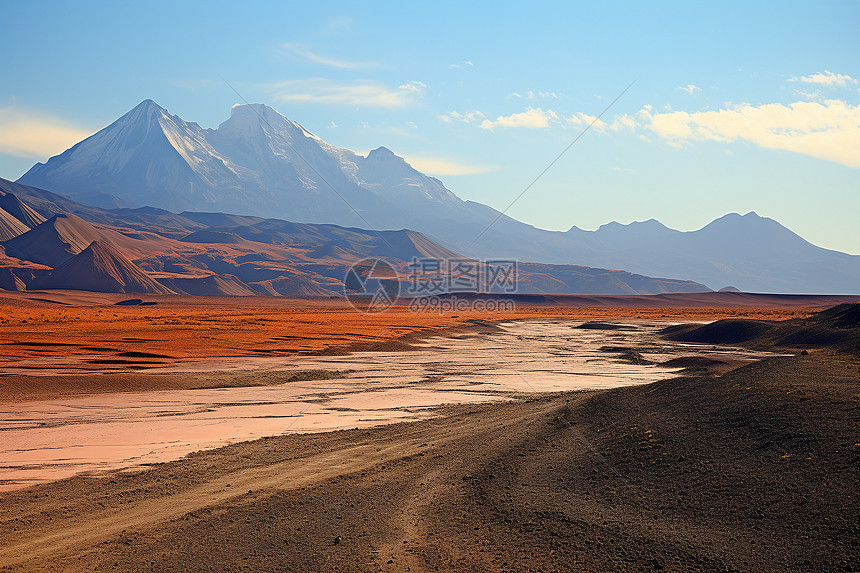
(740, 452)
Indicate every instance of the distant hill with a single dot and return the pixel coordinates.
(20, 210)
(154, 250)
(10, 227)
(100, 267)
(53, 242)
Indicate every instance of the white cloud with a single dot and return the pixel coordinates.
(690, 89)
(827, 130)
(414, 87)
(623, 121)
(445, 167)
(467, 63)
(331, 62)
(358, 93)
(583, 120)
(468, 117)
(827, 79)
(27, 133)
(332, 125)
(535, 94)
(532, 118)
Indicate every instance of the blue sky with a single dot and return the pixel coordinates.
(734, 107)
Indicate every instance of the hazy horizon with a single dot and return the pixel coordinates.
(733, 108)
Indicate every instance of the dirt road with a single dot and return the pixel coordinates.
(752, 470)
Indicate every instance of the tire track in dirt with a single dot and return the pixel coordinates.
(65, 536)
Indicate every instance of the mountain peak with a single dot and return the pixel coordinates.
(383, 154)
(102, 268)
(147, 109)
(258, 112)
(252, 118)
(638, 230)
(751, 218)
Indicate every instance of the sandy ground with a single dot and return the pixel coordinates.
(45, 440)
(53, 342)
(755, 470)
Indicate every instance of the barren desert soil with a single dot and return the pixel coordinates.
(52, 343)
(754, 470)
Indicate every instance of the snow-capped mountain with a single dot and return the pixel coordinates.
(259, 162)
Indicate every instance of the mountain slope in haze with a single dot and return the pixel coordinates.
(242, 256)
(100, 267)
(751, 252)
(45, 203)
(260, 163)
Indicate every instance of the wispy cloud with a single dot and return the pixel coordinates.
(446, 167)
(538, 118)
(463, 64)
(532, 118)
(413, 86)
(28, 133)
(814, 95)
(827, 130)
(304, 52)
(468, 117)
(535, 94)
(580, 119)
(826, 79)
(359, 93)
(690, 89)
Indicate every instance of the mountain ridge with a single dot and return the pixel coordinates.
(230, 255)
(260, 163)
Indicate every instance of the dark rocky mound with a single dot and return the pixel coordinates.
(692, 362)
(597, 325)
(837, 327)
(840, 316)
(728, 331)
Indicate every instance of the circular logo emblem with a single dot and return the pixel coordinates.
(371, 285)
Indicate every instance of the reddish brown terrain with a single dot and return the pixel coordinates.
(754, 469)
(46, 243)
(66, 335)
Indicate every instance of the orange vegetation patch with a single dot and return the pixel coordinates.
(196, 327)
